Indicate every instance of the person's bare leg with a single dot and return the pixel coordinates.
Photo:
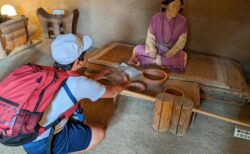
(98, 134)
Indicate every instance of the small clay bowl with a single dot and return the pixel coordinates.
(136, 86)
(106, 81)
(154, 76)
(174, 91)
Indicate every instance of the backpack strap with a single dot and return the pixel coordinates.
(66, 114)
(79, 110)
(69, 93)
(51, 134)
(35, 67)
(72, 73)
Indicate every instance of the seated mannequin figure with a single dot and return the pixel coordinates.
(166, 38)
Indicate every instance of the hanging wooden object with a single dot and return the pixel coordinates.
(53, 25)
(14, 33)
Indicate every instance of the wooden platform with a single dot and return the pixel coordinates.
(112, 54)
(218, 77)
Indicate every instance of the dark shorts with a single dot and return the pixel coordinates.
(75, 136)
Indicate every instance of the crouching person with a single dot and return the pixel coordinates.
(71, 135)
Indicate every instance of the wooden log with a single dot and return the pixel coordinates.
(162, 112)
(181, 115)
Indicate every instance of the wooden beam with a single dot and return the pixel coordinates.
(138, 95)
(237, 122)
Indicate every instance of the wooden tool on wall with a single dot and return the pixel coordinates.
(13, 34)
(53, 25)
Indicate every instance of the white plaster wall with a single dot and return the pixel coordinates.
(115, 20)
(215, 27)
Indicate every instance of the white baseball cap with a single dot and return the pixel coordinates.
(66, 48)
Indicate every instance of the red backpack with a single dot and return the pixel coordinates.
(24, 95)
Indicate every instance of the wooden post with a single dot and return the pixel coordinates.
(162, 112)
(182, 112)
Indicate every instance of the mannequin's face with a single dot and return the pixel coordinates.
(173, 8)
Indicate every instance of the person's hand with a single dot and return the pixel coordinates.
(134, 61)
(102, 74)
(126, 80)
(125, 77)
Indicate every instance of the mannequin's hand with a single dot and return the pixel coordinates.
(152, 54)
(169, 54)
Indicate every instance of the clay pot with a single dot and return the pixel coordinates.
(106, 81)
(154, 76)
(174, 91)
(136, 86)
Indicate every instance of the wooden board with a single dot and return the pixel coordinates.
(113, 55)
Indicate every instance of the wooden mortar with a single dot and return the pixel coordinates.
(174, 91)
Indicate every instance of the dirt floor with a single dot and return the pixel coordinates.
(129, 130)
